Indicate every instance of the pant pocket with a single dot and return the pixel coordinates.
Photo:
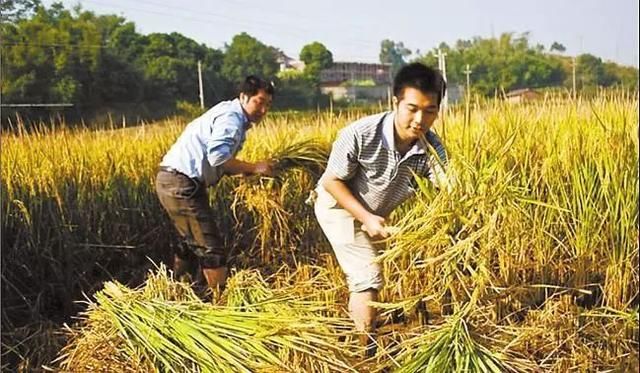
(337, 224)
(187, 190)
(183, 188)
(324, 199)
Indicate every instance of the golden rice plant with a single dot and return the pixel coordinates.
(544, 204)
(450, 348)
(520, 226)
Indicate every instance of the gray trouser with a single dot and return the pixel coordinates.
(186, 201)
(353, 248)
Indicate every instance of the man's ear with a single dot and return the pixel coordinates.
(244, 99)
(395, 102)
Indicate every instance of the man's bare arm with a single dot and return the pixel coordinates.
(235, 166)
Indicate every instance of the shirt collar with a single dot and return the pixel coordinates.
(388, 138)
(239, 109)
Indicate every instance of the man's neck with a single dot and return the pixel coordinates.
(402, 145)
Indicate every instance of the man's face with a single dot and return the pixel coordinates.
(415, 113)
(256, 106)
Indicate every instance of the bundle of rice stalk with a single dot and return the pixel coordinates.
(314, 282)
(451, 348)
(270, 220)
(245, 289)
(248, 291)
(193, 336)
(163, 327)
(160, 285)
(310, 155)
(95, 344)
(560, 336)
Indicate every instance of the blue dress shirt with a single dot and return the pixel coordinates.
(208, 142)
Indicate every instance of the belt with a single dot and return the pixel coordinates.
(174, 171)
(170, 170)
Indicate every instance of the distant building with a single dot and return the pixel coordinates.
(355, 81)
(341, 72)
(287, 62)
(357, 93)
(522, 95)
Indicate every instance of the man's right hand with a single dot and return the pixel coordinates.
(264, 168)
(374, 226)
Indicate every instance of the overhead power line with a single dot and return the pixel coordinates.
(76, 45)
(283, 30)
(36, 105)
(57, 45)
(257, 24)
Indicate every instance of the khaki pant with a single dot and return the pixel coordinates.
(352, 246)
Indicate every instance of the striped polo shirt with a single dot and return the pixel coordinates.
(365, 157)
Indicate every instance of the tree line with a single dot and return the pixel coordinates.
(101, 62)
(511, 62)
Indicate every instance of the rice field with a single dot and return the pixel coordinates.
(528, 263)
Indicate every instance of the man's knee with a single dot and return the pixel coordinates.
(370, 282)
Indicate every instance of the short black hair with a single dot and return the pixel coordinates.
(252, 84)
(424, 78)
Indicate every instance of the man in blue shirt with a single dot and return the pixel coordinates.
(203, 153)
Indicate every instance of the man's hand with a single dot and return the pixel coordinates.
(235, 167)
(264, 168)
(374, 226)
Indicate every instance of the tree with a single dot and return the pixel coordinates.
(590, 70)
(506, 62)
(169, 64)
(101, 62)
(15, 10)
(394, 54)
(296, 90)
(315, 57)
(625, 76)
(557, 47)
(247, 55)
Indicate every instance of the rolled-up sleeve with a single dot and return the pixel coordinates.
(343, 159)
(225, 139)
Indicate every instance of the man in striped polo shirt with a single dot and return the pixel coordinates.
(369, 173)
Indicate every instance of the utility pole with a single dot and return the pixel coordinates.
(573, 77)
(468, 72)
(389, 87)
(200, 85)
(467, 109)
(442, 66)
(581, 44)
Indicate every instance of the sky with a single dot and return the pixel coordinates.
(353, 29)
